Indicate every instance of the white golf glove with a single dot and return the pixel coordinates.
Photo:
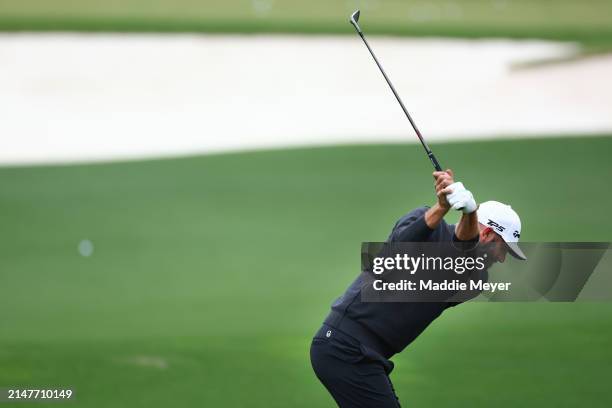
(460, 198)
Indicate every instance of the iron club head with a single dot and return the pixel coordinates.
(354, 19)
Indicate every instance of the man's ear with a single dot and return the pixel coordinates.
(486, 234)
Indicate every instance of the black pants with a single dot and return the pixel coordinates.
(355, 375)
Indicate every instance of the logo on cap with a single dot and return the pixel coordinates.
(495, 225)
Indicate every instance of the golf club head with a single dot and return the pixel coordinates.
(354, 19)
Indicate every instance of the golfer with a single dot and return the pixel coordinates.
(350, 352)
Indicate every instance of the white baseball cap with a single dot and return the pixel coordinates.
(505, 222)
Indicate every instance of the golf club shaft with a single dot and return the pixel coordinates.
(430, 154)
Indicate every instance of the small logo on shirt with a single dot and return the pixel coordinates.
(328, 334)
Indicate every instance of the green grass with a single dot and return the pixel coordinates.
(210, 274)
(589, 22)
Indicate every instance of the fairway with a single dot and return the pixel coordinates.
(588, 22)
(210, 274)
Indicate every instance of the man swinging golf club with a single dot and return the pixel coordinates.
(350, 352)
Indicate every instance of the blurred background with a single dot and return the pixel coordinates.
(184, 188)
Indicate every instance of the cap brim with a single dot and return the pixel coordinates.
(515, 251)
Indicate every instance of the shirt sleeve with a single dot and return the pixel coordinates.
(411, 227)
(468, 246)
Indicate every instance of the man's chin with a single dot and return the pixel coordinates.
(490, 261)
(486, 251)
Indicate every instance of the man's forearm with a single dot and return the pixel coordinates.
(467, 229)
(434, 216)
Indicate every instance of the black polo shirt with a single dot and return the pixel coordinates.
(390, 327)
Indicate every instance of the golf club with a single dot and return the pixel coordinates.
(354, 19)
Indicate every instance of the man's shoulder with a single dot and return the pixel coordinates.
(414, 213)
(442, 231)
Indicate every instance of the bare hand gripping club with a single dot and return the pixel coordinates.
(354, 19)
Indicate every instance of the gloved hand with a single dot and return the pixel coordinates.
(461, 199)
